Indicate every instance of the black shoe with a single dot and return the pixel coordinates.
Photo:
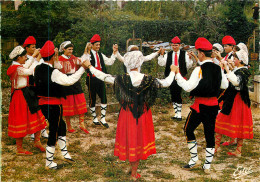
(105, 124)
(69, 160)
(59, 166)
(176, 118)
(96, 123)
(188, 167)
(179, 119)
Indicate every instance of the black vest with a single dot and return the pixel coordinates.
(181, 61)
(209, 85)
(44, 86)
(92, 61)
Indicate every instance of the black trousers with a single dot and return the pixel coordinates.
(96, 87)
(175, 91)
(57, 126)
(207, 117)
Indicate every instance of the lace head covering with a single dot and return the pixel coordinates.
(133, 59)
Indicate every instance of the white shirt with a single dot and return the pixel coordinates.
(234, 79)
(107, 61)
(135, 77)
(62, 79)
(196, 76)
(163, 59)
(146, 58)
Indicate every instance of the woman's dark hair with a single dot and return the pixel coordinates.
(241, 62)
(236, 48)
(215, 48)
(22, 54)
(207, 53)
(48, 58)
(69, 45)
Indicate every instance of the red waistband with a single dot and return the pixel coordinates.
(208, 101)
(49, 101)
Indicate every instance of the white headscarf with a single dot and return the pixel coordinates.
(219, 47)
(242, 46)
(242, 56)
(64, 44)
(18, 50)
(133, 59)
(130, 47)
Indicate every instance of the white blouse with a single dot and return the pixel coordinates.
(234, 79)
(22, 73)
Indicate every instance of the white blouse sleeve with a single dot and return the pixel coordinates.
(192, 83)
(168, 80)
(224, 80)
(85, 57)
(28, 62)
(188, 61)
(24, 71)
(102, 76)
(150, 56)
(109, 61)
(162, 60)
(63, 79)
(235, 80)
(119, 57)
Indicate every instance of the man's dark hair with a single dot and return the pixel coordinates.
(207, 53)
(48, 58)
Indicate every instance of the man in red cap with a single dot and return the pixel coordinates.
(228, 43)
(204, 84)
(95, 86)
(49, 82)
(30, 46)
(179, 58)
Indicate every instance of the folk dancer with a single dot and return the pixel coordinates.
(49, 82)
(181, 59)
(136, 92)
(25, 116)
(75, 102)
(204, 84)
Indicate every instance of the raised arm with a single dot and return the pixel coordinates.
(150, 56)
(188, 60)
(162, 59)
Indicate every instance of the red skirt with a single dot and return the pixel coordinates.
(134, 141)
(239, 123)
(74, 105)
(20, 120)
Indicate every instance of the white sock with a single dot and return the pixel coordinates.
(63, 147)
(103, 113)
(179, 106)
(49, 157)
(209, 157)
(94, 115)
(193, 153)
(174, 104)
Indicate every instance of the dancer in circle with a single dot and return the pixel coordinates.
(136, 93)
